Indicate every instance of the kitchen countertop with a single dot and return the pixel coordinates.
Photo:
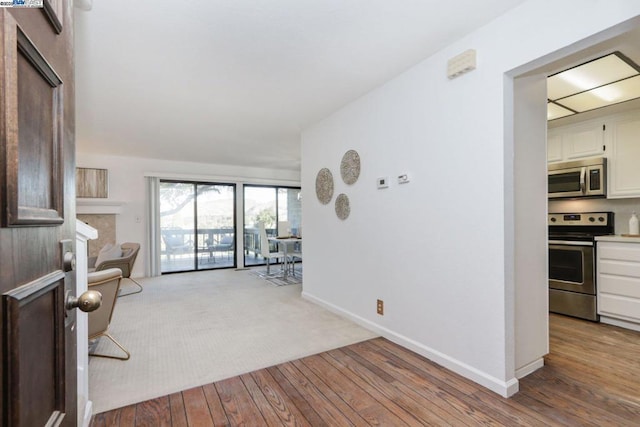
(617, 238)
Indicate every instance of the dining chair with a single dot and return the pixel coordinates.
(295, 255)
(265, 251)
(284, 229)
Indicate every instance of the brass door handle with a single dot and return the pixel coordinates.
(88, 301)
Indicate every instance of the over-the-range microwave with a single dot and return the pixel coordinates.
(579, 178)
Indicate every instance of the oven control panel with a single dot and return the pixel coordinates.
(579, 219)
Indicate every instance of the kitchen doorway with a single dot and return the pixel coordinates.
(526, 197)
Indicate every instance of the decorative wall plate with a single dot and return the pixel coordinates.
(342, 206)
(324, 186)
(350, 167)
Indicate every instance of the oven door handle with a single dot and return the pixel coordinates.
(583, 180)
(569, 243)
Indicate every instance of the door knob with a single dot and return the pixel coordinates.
(88, 301)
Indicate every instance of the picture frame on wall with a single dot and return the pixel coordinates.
(92, 183)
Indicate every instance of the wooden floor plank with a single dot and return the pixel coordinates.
(429, 387)
(154, 413)
(128, 416)
(218, 416)
(271, 416)
(385, 390)
(178, 413)
(294, 394)
(359, 399)
(240, 408)
(377, 382)
(584, 410)
(278, 399)
(100, 420)
(569, 385)
(321, 404)
(196, 408)
(461, 389)
(353, 417)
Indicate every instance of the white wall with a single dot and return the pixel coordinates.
(127, 186)
(527, 191)
(438, 249)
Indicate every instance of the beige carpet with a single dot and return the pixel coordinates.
(186, 330)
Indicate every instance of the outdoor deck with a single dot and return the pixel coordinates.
(214, 248)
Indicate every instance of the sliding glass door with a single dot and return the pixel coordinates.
(197, 225)
(272, 206)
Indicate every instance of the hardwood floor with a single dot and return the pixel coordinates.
(590, 378)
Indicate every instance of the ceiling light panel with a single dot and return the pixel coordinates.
(587, 76)
(555, 111)
(614, 93)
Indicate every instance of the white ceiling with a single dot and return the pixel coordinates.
(235, 81)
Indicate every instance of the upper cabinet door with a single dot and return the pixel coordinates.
(584, 140)
(576, 141)
(554, 146)
(623, 138)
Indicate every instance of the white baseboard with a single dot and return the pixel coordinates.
(620, 323)
(88, 412)
(503, 388)
(529, 368)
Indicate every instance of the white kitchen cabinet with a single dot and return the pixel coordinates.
(616, 137)
(554, 146)
(576, 141)
(618, 281)
(622, 136)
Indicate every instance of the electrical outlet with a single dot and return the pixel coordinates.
(380, 307)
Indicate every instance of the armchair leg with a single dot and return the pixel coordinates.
(128, 355)
(134, 292)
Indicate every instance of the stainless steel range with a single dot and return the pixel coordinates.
(572, 278)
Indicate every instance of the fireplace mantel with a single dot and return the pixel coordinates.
(93, 206)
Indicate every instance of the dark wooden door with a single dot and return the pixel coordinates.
(37, 216)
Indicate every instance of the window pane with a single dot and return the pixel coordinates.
(290, 210)
(216, 226)
(275, 206)
(259, 206)
(177, 226)
(197, 223)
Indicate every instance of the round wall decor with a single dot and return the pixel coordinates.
(342, 206)
(324, 186)
(350, 167)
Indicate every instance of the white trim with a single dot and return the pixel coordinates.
(85, 231)
(88, 413)
(503, 388)
(224, 179)
(529, 368)
(620, 323)
(97, 206)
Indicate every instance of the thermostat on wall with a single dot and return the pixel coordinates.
(383, 182)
